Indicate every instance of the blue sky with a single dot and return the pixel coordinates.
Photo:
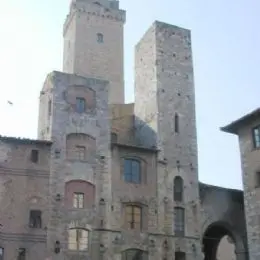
(225, 41)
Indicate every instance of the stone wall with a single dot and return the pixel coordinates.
(23, 187)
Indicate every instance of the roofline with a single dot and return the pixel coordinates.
(201, 184)
(234, 126)
(152, 150)
(10, 139)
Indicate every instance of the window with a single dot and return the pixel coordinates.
(180, 256)
(80, 105)
(178, 189)
(78, 200)
(179, 221)
(49, 108)
(21, 254)
(1, 253)
(34, 156)
(257, 180)
(132, 170)
(133, 216)
(256, 137)
(80, 153)
(113, 138)
(134, 254)
(100, 38)
(176, 123)
(35, 219)
(78, 239)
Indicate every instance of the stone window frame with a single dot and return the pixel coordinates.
(143, 226)
(178, 189)
(256, 137)
(78, 245)
(80, 152)
(179, 221)
(133, 253)
(143, 169)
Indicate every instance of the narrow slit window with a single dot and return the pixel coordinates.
(34, 156)
(176, 123)
(100, 38)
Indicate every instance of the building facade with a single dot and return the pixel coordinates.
(108, 180)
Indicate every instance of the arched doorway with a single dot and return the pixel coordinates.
(212, 238)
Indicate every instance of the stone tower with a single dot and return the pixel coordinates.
(94, 45)
(248, 130)
(79, 128)
(165, 118)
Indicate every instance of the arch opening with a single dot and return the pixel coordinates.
(219, 243)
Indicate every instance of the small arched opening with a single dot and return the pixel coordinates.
(220, 242)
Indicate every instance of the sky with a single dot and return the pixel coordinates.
(225, 42)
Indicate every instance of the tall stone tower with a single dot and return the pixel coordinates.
(165, 118)
(94, 43)
(247, 128)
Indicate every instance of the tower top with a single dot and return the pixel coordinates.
(113, 4)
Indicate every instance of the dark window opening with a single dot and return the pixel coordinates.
(49, 108)
(34, 156)
(257, 179)
(113, 138)
(1, 253)
(179, 221)
(132, 171)
(80, 105)
(256, 137)
(178, 189)
(100, 38)
(21, 254)
(134, 254)
(35, 219)
(176, 123)
(180, 256)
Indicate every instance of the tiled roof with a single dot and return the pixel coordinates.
(19, 140)
(235, 125)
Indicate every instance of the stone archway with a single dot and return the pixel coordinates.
(212, 237)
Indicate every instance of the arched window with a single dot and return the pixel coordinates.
(132, 171)
(178, 189)
(100, 37)
(134, 254)
(78, 239)
(176, 123)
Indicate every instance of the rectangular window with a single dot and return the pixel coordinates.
(34, 156)
(80, 105)
(256, 137)
(35, 219)
(21, 254)
(1, 253)
(179, 221)
(132, 171)
(78, 200)
(180, 256)
(78, 239)
(133, 216)
(257, 180)
(80, 153)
